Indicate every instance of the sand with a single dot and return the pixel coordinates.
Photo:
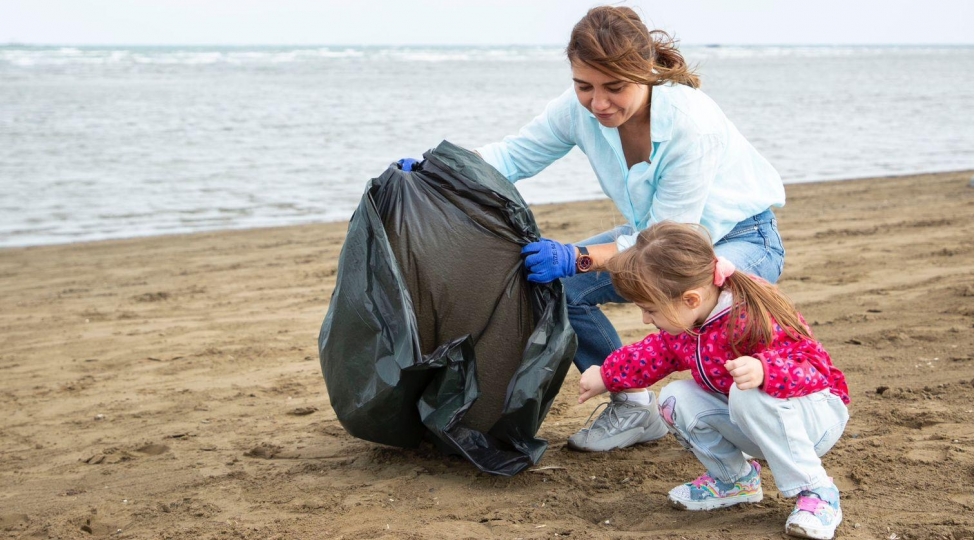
(169, 387)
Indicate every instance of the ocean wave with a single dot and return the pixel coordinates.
(59, 56)
(27, 56)
(813, 51)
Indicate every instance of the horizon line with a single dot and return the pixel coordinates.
(15, 43)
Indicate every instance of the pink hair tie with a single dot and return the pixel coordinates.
(723, 268)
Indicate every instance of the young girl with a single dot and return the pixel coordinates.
(761, 384)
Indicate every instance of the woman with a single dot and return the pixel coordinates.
(662, 150)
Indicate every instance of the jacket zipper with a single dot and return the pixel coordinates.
(700, 363)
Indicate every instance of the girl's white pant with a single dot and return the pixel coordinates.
(790, 434)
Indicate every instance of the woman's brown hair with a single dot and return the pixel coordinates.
(614, 40)
(670, 259)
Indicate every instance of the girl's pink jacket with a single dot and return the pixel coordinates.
(793, 368)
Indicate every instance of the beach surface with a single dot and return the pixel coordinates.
(169, 387)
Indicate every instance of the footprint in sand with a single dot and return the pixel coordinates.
(153, 449)
(12, 522)
(116, 455)
(98, 529)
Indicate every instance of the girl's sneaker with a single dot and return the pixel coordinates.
(708, 493)
(816, 515)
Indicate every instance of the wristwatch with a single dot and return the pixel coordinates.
(584, 261)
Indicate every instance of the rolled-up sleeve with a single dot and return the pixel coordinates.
(625, 241)
(537, 145)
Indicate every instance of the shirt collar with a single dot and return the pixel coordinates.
(725, 300)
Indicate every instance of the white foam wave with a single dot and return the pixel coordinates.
(732, 52)
(50, 56)
(21, 56)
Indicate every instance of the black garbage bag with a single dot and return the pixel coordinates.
(432, 330)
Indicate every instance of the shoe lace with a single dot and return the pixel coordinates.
(590, 421)
(608, 408)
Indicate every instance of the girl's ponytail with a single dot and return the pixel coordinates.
(760, 302)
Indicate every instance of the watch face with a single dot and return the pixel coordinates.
(584, 264)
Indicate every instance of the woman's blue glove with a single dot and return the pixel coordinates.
(548, 260)
(408, 164)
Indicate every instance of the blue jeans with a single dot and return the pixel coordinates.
(790, 434)
(754, 246)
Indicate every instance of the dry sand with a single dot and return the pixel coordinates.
(169, 388)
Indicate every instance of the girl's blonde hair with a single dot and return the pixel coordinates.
(670, 259)
(614, 40)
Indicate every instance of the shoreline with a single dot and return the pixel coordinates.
(169, 386)
(345, 220)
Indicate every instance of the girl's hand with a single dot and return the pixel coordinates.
(591, 384)
(748, 372)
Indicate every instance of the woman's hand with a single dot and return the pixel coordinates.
(748, 372)
(548, 260)
(591, 384)
(408, 164)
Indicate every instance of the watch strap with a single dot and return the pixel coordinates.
(584, 262)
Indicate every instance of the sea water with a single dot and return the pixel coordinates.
(110, 142)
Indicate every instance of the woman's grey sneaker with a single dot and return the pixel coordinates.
(621, 424)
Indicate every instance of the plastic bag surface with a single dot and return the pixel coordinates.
(433, 330)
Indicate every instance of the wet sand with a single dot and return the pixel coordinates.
(169, 387)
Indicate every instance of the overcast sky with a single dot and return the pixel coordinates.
(475, 22)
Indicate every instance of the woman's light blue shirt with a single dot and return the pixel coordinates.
(701, 169)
